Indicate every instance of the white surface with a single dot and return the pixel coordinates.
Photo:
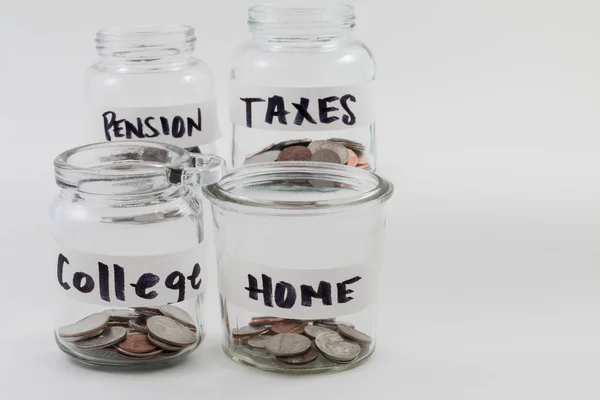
(488, 127)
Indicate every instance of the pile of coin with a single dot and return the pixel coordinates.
(296, 342)
(139, 333)
(334, 150)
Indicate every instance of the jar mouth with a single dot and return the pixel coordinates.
(298, 188)
(311, 14)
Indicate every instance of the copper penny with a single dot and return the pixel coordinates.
(295, 153)
(363, 159)
(261, 321)
(352, 159)
(246, 332)
(136, 343)
(289, 326)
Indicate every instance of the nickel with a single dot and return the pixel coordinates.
(335, 348)
(313, 331)
(308, 357)
(287, 344)
(178, 315)
(169, 331)
(326, 155)
(108, 337)
(359, 337)
(90, 324)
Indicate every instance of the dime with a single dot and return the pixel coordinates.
(246, 331)
(258, 342)
(268, 156)
(289, 326)
(90, 324)
(352, 159)
(136, 343)
(309, 356)
(295, 153)
(120, 314)
(109, 337)
(178, 315)
(265, 320)
(78, 338)
(293, 142)
(335, 348)
(139, 324)
(312, 331)
(169, 331)
(359, 337)
(288, 344)
(131, 354)
(325, 155)
(162, 345)
(350, 144)
(338, 148)
(147, 311)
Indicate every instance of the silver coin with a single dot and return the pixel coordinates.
(288, 143)
(162, 345)
(335, 348)
(338, 148)
(258, 342)
(268, 156)
(333, 325)
(139, 355)
(148, 311)
(169, 331)
(312, 331)
(139, 324)
(91, 323)
(78, 338)
(308, 357)
(120, 314)
(326, 155)
(359, 337)
(249, 330)
(178, 315)
(350, 144)
(110, 336)
(287, 344)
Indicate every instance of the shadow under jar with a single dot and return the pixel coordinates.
(299, 248)
(130, 252)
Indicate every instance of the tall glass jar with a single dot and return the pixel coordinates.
(130, 258)
(303, 80)
(148, 86)
(299, 248)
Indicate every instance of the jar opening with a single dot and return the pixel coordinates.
(301, 17)
(298, 187)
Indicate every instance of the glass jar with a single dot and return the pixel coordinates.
(299, 248)
(130, 254)
(303, 82)
(148, 86)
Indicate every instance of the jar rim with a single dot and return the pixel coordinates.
(374, 190)
(316, 14)
(124, 32)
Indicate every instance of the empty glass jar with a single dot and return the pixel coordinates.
(130, 254)
(302, 88)
(148, 86)
(299, 248)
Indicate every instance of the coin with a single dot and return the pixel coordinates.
(169, 331)
(335, 348)
(136, 343)
(148, 311)
(338, 148)
(312, 331)
(258, 342)
(78, 338)
(352, 159)
(248, 331)
(268, 156)
(131, 354)
(263, 150)
(333, 324)
(265, 320)
(287, 344)
(162, 345)
(178, 315)
(308, 357)
(124, 324)
(325, 155)
(295, 153)
(363, 159)
(139, 324)
(350, 144)
(109, 337)
(293, 142)
(359, 337)
(289, 326)
(90, 324)
(120, 314)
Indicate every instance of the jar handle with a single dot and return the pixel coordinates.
(206, 169)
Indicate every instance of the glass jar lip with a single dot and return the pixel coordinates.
(119, 33)
(311, 13)
(221, 194)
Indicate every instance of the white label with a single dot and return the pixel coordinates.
(296, 293)
(184, 125)
(301, 109)
(131, 281)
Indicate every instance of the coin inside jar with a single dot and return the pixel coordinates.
(326, 155)
(289, 326)
(352, 159)
(258, 342)
(136, 343)
(88, 325)
(335, 348)
(178, 315)
(109, 337)
(261, 321)
(287, 344)
(140, 355)
(312, 331)
(169, 331)
(121, 314)
(163, 345)
(248, 331)
(308, 357)
(359, 337)
(295, 153)
(321, 145)
(139, 324)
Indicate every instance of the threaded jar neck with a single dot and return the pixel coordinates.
(146, 43)
(301, 20)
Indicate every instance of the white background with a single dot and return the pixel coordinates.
(488, 126)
